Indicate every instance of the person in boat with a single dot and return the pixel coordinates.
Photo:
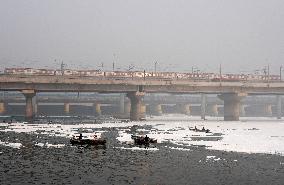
(203, 129)
(147, 139)
(80, 136)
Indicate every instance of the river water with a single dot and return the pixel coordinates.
(243, 152)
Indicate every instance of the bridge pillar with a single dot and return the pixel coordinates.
(127, 108)
(66, 108)
(242, 110)
(212, 110)
(203, 106)
(35, 106)
(29, 94)
(157, 109)
(121, 103)
(143, 110)
(184, 108)
(267, 110)
(279, 106)
(136, 101)
(97, 109)
(231, 105)
(2, 108)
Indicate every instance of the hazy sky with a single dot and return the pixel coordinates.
(242, 35)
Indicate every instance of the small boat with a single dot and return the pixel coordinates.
(140, 140)
(87, 141)
(200, 130)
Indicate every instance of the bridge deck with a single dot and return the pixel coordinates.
(111, 85)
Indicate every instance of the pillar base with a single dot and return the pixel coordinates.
(267, 110)
(3, 107)
(135, 99)
(242, 111)
(231, 105)
(97, 109)
(203, 106)
(66, 108)
(157, 110)
(212, 110)
(142, 111)
(29, 94)
(127, 108)
(121, 104)
(279, 106)
(183, 109)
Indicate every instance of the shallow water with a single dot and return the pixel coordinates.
(46, 157)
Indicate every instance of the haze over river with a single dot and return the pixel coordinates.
(250, 151)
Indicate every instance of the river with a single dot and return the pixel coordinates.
(249, 151)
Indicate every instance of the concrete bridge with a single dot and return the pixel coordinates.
(117, 104)
(148, 99)
(230, 92)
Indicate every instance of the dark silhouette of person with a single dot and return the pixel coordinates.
(203, 129)
(80, 137)
(147, 139)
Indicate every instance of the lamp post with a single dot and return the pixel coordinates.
(265, 73)
(268, 74)
(194, 69)
(113, 62)
(280, 73)
(62, 68)
(220, 73)
(156, 66)
(102, 66)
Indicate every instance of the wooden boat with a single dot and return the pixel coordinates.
(140, 140)
(76, 141)
(200, 130)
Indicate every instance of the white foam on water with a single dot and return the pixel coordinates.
(13, 145)
(54, 146)
(177, 148)
(213, 158)
(254, 135)
(210, 157)
(123, 137)
(250, 135)
(48, 145)
(39, 144)
(52, 129)
(138, 148)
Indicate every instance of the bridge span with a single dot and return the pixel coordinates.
(230, 92)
